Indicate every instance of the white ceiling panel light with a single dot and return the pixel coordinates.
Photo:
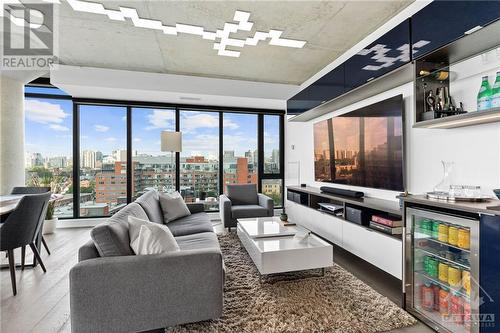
(221, 37)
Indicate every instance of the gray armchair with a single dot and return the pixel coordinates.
(243, 201)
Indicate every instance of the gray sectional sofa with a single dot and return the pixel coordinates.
(133, 293)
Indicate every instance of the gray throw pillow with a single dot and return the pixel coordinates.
(173, 207)
(111, 239)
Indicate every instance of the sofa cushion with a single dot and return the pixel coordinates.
(155, 238)
(111, 238)
(173, 207)
(245, 211)
(192, 224)
(134, 229)
(150, 202)
(242, 194)
(204, 240)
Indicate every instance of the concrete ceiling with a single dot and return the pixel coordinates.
(329, 27)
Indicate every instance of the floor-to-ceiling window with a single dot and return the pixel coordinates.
(152, 168)
(240, 154)
(272, 144)
(272, 173)
(199, 159)
(103, 159)
(92, 141)
(48, 142)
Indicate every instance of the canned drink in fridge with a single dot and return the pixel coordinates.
(464, 238)
(443, 233)
(427, 297)
(436, 289)
(456, 308)
(435, 229)
(443, 272)
(426, 227)
(453, 235)
(454, 276)
(443, 301)
(466, 281)
(467, 315)
(433, 267)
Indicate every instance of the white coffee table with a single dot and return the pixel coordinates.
(274, 248)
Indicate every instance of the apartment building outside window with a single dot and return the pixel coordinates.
(103, 161)
(48, 142)
(240, 149)
(118, 155)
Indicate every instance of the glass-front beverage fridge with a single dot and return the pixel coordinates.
(442, 270)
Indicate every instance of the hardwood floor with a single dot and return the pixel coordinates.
(42, 301)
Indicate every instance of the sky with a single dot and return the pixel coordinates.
(49, 129)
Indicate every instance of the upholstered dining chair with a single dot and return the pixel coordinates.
(31, 190)
(21, 228)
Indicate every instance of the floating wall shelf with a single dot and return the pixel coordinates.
(462, 120)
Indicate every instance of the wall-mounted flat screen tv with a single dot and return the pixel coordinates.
(363, 147)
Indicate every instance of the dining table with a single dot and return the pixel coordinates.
(8, 204)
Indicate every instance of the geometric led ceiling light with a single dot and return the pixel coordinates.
(221, 37)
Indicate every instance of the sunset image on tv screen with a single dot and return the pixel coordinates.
(361, 148)
(322, 151)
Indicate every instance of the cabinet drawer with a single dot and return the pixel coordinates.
(322, 224)
(382, 251)
(327, 226)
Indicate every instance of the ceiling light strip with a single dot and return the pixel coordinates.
(274, 36)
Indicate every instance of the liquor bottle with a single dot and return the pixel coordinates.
(495, 93)
(439, 75)
(484, 95)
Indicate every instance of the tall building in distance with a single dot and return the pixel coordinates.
(57, 162)
(111, 185)
(239, 170)
(34, 160)
(228, 154)
(88, 159)
(276, 156)
(119, 155)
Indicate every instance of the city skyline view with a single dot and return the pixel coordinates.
(103, 154)
(105, 131)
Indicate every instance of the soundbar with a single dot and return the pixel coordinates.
(340, 191)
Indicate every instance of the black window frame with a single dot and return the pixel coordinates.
(129, 105)
(281, 174)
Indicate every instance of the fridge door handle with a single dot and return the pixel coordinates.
(403, 268)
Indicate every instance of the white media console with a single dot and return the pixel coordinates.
(381, 250)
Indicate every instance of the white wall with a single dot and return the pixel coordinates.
(475, 150)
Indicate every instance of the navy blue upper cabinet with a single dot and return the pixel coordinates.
(328, 87)
(387, 53)
(437, 24)
(442, 22)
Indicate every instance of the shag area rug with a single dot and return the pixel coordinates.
(296, 302)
